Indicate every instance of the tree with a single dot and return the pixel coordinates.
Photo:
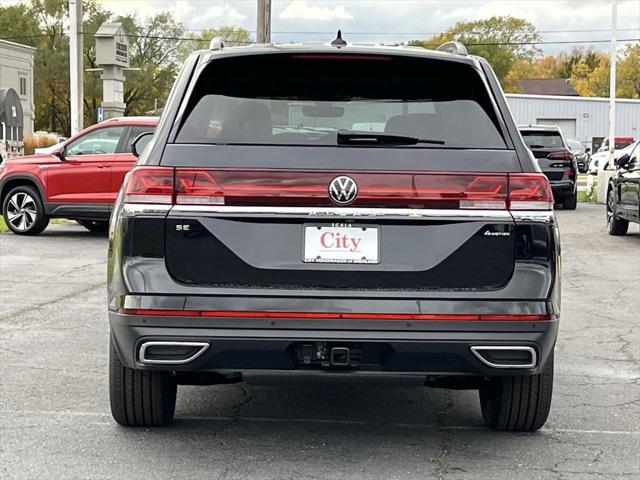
(501, 40)
(594, 82)
(152, 49)
(628, 73)
(231, 35)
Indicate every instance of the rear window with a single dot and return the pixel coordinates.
(306, 99)
(574, 145)
(542, 139)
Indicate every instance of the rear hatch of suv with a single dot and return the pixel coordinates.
(549, 148)
(340, 171)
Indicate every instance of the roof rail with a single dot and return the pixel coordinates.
(216, 43)
(453, 47)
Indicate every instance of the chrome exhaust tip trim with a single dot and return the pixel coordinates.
(478, 352)
(142, 355)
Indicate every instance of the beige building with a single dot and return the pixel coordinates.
(16, 72)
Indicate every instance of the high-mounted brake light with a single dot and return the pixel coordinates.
(150, 185)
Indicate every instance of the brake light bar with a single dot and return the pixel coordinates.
(560, 155)
(526, 191)
(336, 315)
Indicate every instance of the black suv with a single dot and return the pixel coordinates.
(623, 193)
(556, 161)
(359, 211)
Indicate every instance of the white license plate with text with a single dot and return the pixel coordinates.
(341, 244)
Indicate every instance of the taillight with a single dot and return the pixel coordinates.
(375, 189)
(197, 187)
(150, 185)
(560, 155)
(529, 191)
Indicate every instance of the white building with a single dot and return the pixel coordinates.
(16, 71)
(584, 118)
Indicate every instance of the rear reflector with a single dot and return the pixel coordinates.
(310, 188)
(334, 315)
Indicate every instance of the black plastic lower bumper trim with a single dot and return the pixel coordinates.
(426, 352)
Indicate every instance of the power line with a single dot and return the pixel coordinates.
(347, 33)
(175, 38)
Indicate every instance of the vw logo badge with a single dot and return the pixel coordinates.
(343, 190)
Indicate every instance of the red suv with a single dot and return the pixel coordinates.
(78, 180)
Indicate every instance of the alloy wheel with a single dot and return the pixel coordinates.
(610, 208)
(22, 211)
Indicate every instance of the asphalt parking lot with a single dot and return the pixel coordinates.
(55, 421)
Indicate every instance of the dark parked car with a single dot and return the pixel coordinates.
(579, 153)
(262, 232)
(623, 193)
(555, 160)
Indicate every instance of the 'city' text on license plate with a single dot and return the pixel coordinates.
(341, 244)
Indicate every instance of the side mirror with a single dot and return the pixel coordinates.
(587, 150)
(140, 142)
(61, 153)
(623, 161)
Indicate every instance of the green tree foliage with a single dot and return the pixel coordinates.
(231, 35)
(501, 40)
(152, 49)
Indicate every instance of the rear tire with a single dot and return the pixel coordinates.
(95, 226)
(570, 203)
(140, 398)
(615, 225)
(518, 403)
(23, 211)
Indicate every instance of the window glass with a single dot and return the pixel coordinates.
(100, 141)
(542, 139)
(135, 131)
(307, 99)
(23, 86)
(575, 145)
(634, 157)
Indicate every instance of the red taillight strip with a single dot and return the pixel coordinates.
(335, 315)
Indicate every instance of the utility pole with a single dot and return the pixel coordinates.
(76, 89)
(612, 82)
(263, 30)
(605, 175)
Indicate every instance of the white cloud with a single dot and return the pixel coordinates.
(193, 15)
(301, 10)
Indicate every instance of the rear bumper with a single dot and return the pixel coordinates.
(393, 347)
(563, 188)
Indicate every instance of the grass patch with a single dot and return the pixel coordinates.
(589, 195)
(3, 226)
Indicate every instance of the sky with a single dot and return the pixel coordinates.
(393, 21)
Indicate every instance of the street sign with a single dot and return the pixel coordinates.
(100, 114)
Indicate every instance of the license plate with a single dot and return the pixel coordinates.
(338, 244)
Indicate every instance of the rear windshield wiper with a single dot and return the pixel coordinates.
(346, 137)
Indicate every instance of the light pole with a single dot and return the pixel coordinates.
(263, 30)
(605, 175)
(612, 82)
(76, 89)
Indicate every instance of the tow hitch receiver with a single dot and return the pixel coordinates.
(327, 354)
